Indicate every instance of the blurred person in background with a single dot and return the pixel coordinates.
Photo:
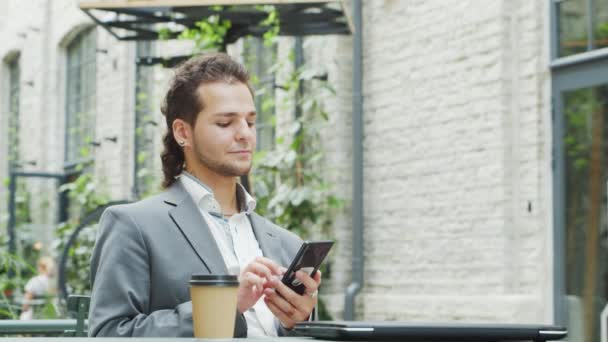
(38, 287)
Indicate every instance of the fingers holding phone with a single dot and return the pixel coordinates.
(293, 298)
(287, 305)
(308, 259)
(253, 279)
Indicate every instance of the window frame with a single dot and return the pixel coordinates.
(144, 142)
(84, 42)
(13, 110)
(589, 55)
(256, 46)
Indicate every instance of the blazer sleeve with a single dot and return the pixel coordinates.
(121, 285)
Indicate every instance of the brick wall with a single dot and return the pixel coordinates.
(454, 112)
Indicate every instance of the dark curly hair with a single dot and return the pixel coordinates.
(183, 102)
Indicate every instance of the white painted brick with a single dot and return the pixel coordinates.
(437, 189)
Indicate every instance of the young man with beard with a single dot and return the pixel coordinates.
(203, 222)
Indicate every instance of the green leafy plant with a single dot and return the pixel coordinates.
(79, 255)
(10, 284)
(15, 269)
(146, 181)
(288, 180)
(85, 197)
(272, 23)
(208, 34)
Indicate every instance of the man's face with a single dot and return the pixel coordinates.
(224, 133)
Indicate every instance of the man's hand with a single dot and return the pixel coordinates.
(288, 306)
(253, 279)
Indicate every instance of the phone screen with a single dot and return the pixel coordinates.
(308, 259)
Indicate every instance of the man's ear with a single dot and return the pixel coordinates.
(182, 131)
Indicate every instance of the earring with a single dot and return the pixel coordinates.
(181, 143)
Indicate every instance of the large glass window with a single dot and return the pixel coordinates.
(259, 60)
(582, 26)
(80, 97)
(14, 89)
(586, 170)
(581, 188)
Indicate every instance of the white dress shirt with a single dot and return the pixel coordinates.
(237, 243)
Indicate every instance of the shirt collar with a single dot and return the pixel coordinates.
(204, 198)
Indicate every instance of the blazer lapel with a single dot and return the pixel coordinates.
(269, 241)
(187, 217)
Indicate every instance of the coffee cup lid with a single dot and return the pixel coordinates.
(214, 280)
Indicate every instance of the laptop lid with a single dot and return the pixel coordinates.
(358, 330)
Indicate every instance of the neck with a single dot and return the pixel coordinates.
(223, 187)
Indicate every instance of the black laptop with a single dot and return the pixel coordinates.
(392, 331)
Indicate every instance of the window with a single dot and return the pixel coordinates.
(586, 166)
(580, 177)
(145, 124)
(80, 97)
(14, 76)
(259, 60)
(582, 25)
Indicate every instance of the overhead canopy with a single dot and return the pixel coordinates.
(145, 19)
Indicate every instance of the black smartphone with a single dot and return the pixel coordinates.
(308, 259)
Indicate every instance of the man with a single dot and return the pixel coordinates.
(202, 223)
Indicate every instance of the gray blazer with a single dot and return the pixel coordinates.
(144, 256)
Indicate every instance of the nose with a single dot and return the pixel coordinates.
(243, 131)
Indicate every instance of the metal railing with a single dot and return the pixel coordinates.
(46, 327)
(78, 307)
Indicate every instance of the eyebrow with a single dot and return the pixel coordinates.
(231, 114)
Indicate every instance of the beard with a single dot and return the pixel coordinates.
(233, 169)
